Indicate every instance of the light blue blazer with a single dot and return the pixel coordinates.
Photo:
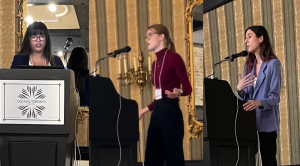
(267, 90)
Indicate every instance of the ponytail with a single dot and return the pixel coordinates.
(171, 45)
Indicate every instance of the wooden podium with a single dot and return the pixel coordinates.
(219, 141)
(37, 117)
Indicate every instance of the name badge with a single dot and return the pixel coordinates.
(158, 94)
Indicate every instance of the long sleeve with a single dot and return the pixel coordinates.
(19, 60)
(151, 106)
(273, 98)
(243, 94)
(181, 72)
(14, 64)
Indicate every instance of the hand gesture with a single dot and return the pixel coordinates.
(140, 115)
(245, 82)
(175, 94)
(142, 112)
(251, 105)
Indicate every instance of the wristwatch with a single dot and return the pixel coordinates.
(181, 91)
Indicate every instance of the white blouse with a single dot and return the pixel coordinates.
(30, 64)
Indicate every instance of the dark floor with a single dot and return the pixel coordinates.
(85, 156)
(187, 163)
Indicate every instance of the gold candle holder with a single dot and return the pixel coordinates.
(136, 73)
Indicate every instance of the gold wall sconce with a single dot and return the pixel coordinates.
(137, 73)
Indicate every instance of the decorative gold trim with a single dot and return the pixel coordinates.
(195, 126)
(83, 113)
(20, 18)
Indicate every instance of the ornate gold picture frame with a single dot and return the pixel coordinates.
(195, 127)
(20, 21)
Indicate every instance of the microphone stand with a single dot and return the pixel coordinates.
(212, 73)
(65, 56)
(97, 63)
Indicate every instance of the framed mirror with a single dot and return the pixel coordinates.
(194, 39)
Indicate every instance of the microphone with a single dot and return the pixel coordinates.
(229, 58)
(111, 54)
(69, 41)
(119, 51)
(241, 54)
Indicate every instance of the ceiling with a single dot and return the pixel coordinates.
(75, 24)
(198, 12)
(63, 18)
(69, 20)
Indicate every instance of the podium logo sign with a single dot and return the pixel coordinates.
(31, 102)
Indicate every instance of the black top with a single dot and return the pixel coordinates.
(84, 95)
(23, 60)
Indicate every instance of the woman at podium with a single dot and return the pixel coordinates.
(36, 48)
(260, 86)
(170, 79)
(78, 62)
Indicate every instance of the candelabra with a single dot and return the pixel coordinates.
(137, 73)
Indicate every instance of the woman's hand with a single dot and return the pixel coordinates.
(175, 94)
(245, 82)
(251, 105)
(142, 112)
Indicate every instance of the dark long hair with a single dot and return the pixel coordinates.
(78, 62)
(161, 29)
(37, 28)
(265, 47)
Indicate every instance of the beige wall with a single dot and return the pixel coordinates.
(8, 38)
(198, 69)
(224, 35)
(9, 28)
(117, 23)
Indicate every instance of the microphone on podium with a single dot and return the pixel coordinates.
(111, 54)
(229, 58)
(69, 42)
(234, 56)
(119, 51)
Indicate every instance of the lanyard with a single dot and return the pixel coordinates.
(160, 70)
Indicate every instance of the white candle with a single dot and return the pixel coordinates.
(125, 65)
(149, 63)
(135, 64)
(119, 62)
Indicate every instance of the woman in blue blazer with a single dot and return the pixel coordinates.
(260, 87)
(78, 62)
(36, 48)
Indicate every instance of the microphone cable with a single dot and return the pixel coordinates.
(76, 162)
(236, 139)
(117, 127)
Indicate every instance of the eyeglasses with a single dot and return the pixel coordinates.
(149, 35)
(35, 37)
